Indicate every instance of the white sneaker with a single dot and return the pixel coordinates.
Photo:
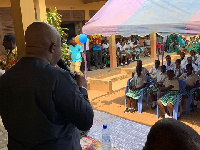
(167, 116)
(126, 63)
(122, 64)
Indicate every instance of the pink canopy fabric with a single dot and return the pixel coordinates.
(142, 17)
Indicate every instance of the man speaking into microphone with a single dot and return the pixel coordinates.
(42, 106)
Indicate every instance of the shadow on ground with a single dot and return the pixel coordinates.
(114, 104)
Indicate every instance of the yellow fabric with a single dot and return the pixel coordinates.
(11, 59)
(75, 67)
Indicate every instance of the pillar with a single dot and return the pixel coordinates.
(112, 51)
(40, 9)
(23, 15)
(87, 15)
(153, 45)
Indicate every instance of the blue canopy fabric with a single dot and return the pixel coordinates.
(142, 17)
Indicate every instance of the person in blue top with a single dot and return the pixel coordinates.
(76, 54)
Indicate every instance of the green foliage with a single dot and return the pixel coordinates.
(54, 19)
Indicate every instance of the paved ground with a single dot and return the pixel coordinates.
(114, 104)
(3, 137)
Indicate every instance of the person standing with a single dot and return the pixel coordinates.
(88, 57)
(97, 50)
(76, 54)
(9, 44)
(42, 106)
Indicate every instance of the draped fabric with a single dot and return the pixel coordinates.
(142, 17)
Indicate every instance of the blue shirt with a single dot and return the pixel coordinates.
(183, 42)
(75, 52)
(96, 47)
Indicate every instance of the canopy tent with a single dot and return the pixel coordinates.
(142, 17)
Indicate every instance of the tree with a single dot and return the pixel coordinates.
(54, 19)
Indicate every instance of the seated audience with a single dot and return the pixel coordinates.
(183, 60)
(189, 61)
(123, 54)
(155, 69)
(138, 82)
(198, 54)
(158, 80)
(178, 71)
(171, 85)
(169, 64)
(191, 79)
(192, 54)
(144, 70)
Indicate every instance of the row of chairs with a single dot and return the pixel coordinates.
(182, 86)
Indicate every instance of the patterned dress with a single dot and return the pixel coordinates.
(160, 78)
(171, 95)
(11, 59)
(190, 81)
(138, 81)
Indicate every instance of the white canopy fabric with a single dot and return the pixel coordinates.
(142, 17)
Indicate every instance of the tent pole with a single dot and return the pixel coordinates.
(153, 45)
(112, 51)
(163, 48)
(85, 60)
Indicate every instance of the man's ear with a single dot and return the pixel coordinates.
(52, 48)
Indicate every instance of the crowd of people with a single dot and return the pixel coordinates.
(128, 49)
(97, 50)
(165, 78)
(39, 113)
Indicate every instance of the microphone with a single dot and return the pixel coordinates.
(61, 63)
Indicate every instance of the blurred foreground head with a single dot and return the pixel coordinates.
(170, 134)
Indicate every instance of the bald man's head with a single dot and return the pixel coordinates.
(43, 40)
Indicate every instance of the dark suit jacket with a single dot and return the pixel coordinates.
(42, 107)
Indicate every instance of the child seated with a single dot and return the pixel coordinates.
(198, 54)
(191, 79)
(183, 60)
(144, 70)
(178, 48)
(169, 64)
(123, 54)
(197, 62)
(178, 71)
(190, 61)
(158, 80)
(192, 54)
(135, 54)
(138, 82)
(170, 85)
(155, 69)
